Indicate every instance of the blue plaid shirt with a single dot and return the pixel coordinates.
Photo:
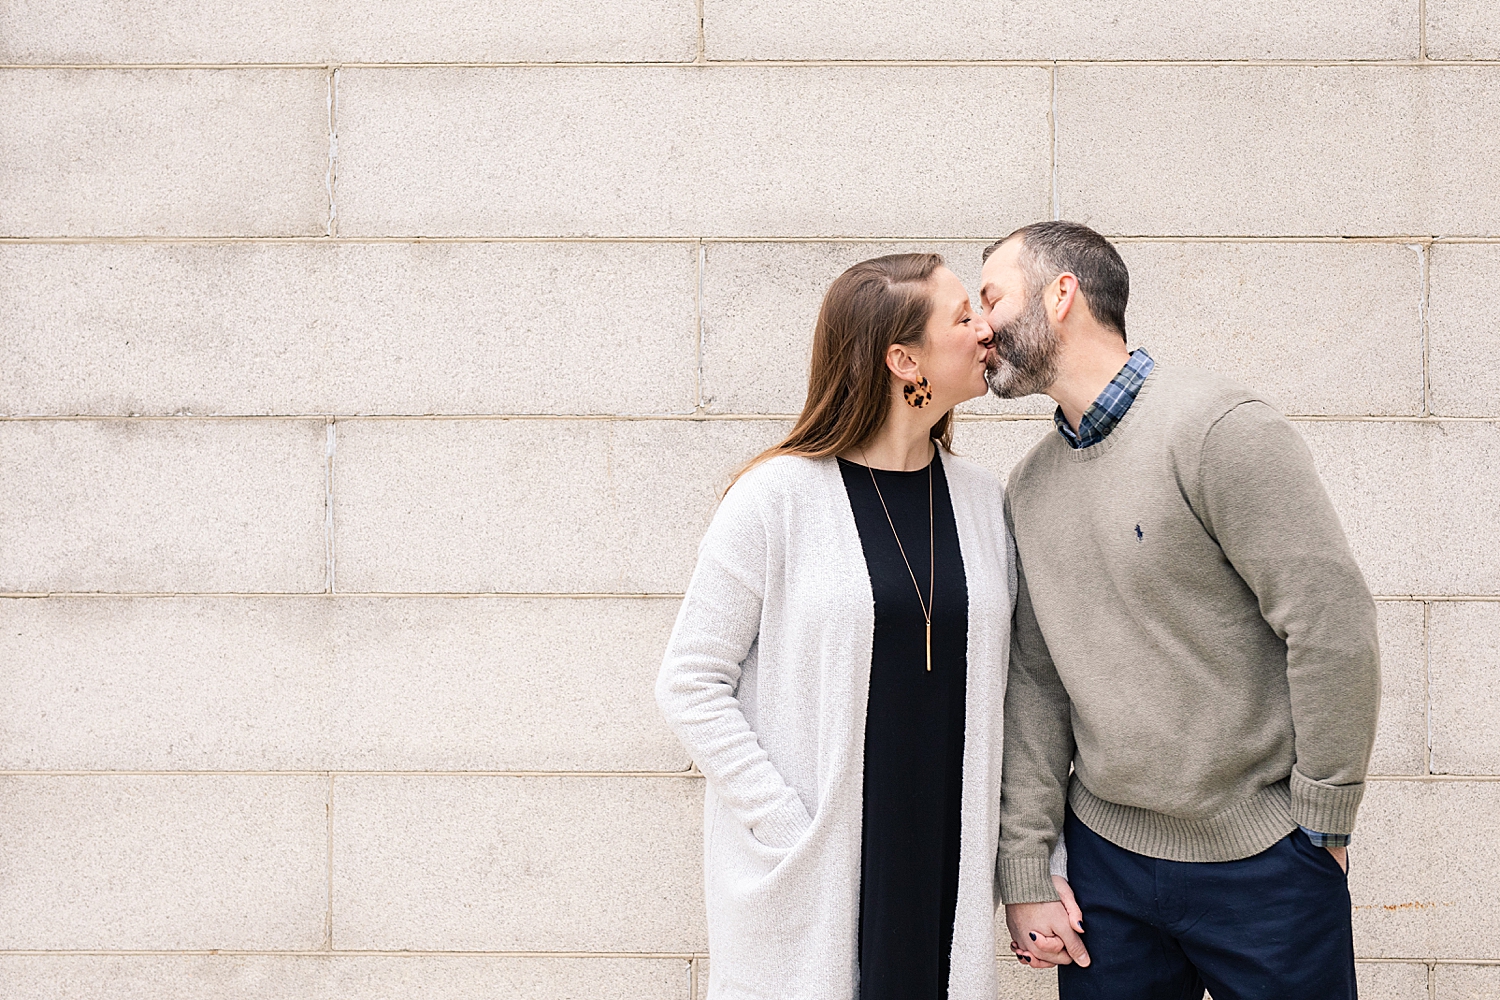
(1327, 839)
(1111, 406)
(1097, 421)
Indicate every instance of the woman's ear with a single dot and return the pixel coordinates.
(902, 363)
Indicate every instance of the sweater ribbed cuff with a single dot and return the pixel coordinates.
(1325, 808)
(783, 826)
(1025, 880)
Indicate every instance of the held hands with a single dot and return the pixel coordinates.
(1050, 930)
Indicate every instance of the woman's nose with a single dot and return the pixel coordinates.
(986, 335)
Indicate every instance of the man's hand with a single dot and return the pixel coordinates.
(1046, 934)
(1341, 855)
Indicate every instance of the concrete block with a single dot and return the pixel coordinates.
(348, 328)
(1463, 330)
(1466, 982)
(1407, 494)
(1259, 312)
(126, 862)
(1323, 328)
(702, 992)
(1020, 983)
(1462, 29)
(518, 864)
(342, 683)
(1278, 150)
(337, 977)
(240, 152)
(178, 31)
(501, 684)
(718, 151)
(538, 506)
(999, 444)
(760, 306)
(1401, 738)
(1466, 688)
(1073, 29)
(153, 506)
(1422, 870)
(1391, 980)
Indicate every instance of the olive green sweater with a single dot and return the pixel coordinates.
(1192, 638)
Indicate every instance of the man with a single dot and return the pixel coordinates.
(1194, 677)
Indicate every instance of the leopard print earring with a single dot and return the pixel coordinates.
(919, 395)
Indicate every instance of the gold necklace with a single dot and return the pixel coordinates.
(931, 550)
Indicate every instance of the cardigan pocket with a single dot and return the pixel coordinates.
(743, 862)
(784, 826)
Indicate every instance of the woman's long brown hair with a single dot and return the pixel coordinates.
(874, 304)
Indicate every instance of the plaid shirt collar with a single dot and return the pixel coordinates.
(1111, 406)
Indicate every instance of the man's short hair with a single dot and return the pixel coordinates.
(1050, 248)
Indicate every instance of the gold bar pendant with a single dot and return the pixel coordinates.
(929, 647)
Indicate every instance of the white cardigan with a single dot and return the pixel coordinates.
(766, 682)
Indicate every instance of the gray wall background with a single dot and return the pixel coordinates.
(368, 370)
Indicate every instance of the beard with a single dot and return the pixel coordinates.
(1026, 350)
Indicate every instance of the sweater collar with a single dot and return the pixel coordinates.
(1111, 406)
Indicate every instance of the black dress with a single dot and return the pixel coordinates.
(914, 737)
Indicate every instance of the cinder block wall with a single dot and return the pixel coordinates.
(368, 370)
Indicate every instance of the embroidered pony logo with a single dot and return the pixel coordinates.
(1140, 535)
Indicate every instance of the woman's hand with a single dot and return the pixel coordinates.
(1065, 893)
(1046, 942)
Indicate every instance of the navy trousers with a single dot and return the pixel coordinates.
(1275, 926)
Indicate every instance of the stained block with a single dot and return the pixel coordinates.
(1422, 870)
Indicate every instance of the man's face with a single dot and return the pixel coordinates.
(1024, 360)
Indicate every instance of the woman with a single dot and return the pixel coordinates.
(837, 670)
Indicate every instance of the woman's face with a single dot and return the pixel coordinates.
(957, 344)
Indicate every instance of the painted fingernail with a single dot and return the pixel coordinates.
(1026, 958)
(1033, 935)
